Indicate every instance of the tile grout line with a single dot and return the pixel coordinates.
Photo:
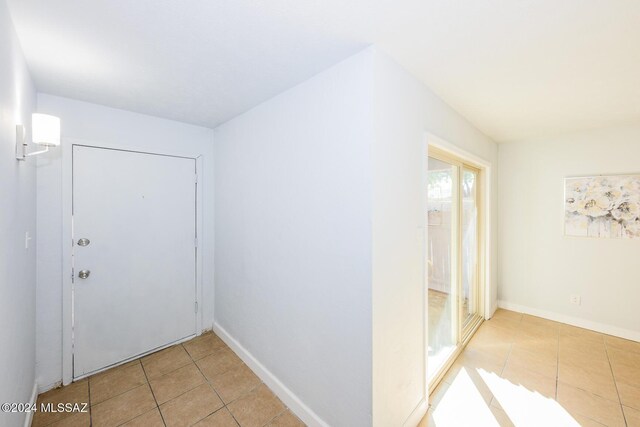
(89, 393)
(493, 397)
(167, 373)
(152, 394)
(558, 366)
(511, 344)
(608, 351)
(187, 391)
(181, 394)
(136, 417)
(192, 361)
(118, 394)
(69, 414)
(279, 413)
(596, 393)
(222, 373)
(126, 391)
(224, 405)
(174, 346)
(615, 382)
(206, 355)
(206, 381)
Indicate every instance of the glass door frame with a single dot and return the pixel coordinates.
(468, 327)
(464, 331)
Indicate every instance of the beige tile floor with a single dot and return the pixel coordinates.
(526, 371)
(200, 382)
(517, 370)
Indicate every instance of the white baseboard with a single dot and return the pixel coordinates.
(417, 414)
(34, 398)
(286, 395)
(574, 321)
(42, 389)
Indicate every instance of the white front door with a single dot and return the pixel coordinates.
(134, 284)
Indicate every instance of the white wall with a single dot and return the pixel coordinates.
(319, 227)
(17, 216)
(293, 240)
(404, 110)
(539, 267)
(98, 125)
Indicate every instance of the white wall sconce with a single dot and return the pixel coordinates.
(45, 131)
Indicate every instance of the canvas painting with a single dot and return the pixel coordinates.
(603, 206)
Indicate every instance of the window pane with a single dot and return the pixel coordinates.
(469, 245)
(441, 251)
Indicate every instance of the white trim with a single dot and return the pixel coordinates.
(485, 166)
(67, 242)
(417, 414)
(295, 404)
(574, 321)
(425, 285)
(457, 151)
(199, 239)
(45, 388)
(32, 401)
(67, 261)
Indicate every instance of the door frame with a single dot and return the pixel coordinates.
(462, 330)
(484, 230)
(67, 242)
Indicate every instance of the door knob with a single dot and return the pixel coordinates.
(84, 242)
(83, 274)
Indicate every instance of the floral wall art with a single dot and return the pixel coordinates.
(603, 206)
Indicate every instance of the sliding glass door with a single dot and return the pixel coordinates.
(442, 212)
(453, 244)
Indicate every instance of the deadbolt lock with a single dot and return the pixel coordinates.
(83, 274)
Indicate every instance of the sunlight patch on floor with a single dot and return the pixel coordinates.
(463, 405)
(525, 407)
(467, 402)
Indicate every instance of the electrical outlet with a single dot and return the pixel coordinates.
(575, 299)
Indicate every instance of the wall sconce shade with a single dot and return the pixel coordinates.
(45, 130)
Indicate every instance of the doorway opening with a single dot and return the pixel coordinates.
(455, 293)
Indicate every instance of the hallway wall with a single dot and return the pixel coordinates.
(17, 217)
(319, 238)
(293, 242)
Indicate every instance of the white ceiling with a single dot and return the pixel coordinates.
(515, 69)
